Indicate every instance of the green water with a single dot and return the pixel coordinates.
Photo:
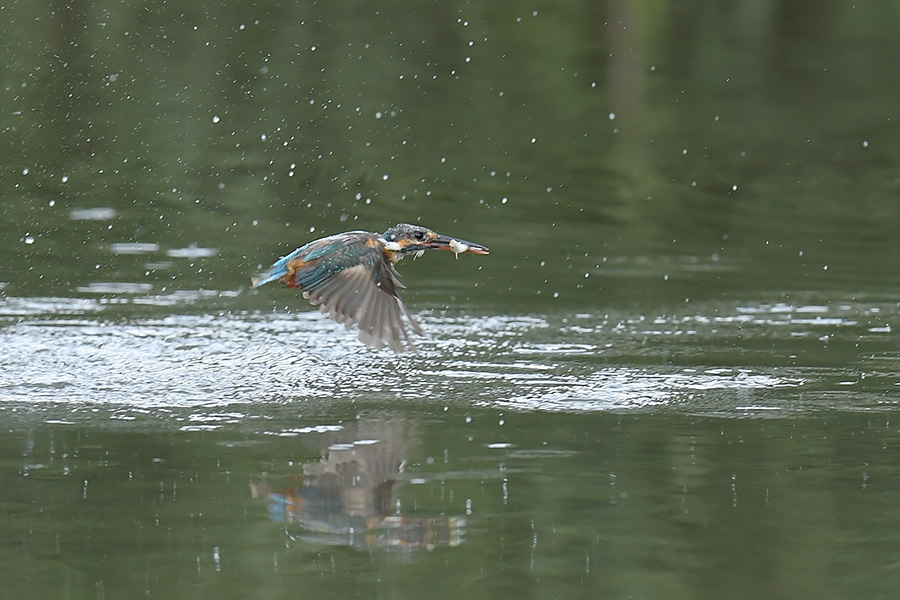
(675, 375)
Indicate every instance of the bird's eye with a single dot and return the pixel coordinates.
(419, 235)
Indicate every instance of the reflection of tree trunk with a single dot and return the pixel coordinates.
(627, 80)
(67, 91)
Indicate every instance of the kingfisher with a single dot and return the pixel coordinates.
(352, 277)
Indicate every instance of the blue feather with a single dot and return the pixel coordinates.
(317, 250)
(277, 270)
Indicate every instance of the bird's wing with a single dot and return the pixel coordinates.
(355, 283)
(286, 266)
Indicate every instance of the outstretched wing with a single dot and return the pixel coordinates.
(354, 283)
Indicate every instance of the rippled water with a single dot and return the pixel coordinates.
(240, 449)
(771, 357)
(675, 376)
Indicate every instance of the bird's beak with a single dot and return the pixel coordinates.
(443, 242)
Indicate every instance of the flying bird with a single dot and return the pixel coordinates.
(352, 278)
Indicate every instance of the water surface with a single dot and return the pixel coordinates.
(562, 454)
(675, 375)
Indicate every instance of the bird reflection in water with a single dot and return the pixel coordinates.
(347, 497)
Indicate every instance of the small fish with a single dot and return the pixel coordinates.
(458, 247)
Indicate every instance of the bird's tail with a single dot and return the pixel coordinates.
(276, 271)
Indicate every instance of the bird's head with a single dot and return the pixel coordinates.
(415, 239)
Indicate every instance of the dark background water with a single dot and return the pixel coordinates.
(753, 138)
(674, 376)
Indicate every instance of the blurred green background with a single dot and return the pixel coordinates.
(675, 374)
(582, 141)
